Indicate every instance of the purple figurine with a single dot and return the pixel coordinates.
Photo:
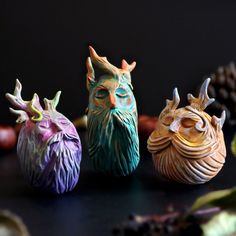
(49, 148)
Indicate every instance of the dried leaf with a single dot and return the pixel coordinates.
(233, 145)
(222, 224)
(222, 198)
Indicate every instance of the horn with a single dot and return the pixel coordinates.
(90, 73)
(27, 108)
(102, 62)
(126, 66)
(171, 105)
(202, 101)
(52, 104)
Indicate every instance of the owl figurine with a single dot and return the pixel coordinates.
(187, 145)
(112, 117)
(48, 148)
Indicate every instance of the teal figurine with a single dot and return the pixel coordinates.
(112, 117)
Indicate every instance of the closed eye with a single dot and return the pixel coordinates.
(63, 122)
(122, 93)
(188, 122)
(101, 93)
(45, 124)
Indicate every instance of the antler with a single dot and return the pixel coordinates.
(219, 122)
(171, 105)
(126, 66)
(105, 65)
(22, 116)
(16, 99)
(203, 100)
(52, 104)
(102, 62)
(90, 73)
(27, 108)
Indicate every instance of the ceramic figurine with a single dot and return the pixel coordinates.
(112, 117)
(49, 147)
(188, 145)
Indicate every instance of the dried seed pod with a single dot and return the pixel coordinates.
(49, 147)
(223, 94)
(222, 85)
(188, 145)
(211, 91)
(233, 97)
(11, 224)
(230, 84)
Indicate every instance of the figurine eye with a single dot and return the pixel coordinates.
(168, 120)
(44, 124)
(187, 122)
(63, 122)
(101, 93)
(122, 93)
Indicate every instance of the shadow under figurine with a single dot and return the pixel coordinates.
(49, 148)
(188, 145)
(112, 117)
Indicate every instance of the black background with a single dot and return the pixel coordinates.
(175, 44)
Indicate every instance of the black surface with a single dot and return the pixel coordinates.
(99, 202)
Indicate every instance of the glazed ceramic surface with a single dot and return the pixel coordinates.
(49, 147)
(112, 117)
(188, 145)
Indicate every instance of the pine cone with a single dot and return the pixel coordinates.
(223, 89)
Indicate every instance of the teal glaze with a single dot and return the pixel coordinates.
(112, 118)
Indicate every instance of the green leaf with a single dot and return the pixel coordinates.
(222, 224)
(222, 198)
(233, 145)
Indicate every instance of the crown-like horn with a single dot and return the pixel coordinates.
(202, 101)
(52, 104)
(171, 105)
(126, 66)
(28, 109)
(219, 122)
(90, 73)
(102, 62)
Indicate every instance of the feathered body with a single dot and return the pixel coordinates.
(188, 145)
(112, 119)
